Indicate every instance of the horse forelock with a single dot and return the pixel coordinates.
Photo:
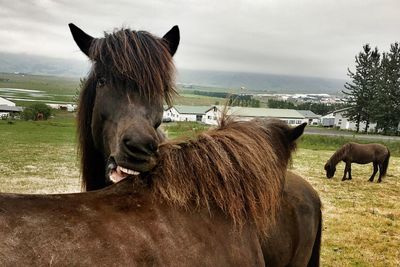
(235, 167)
(137, 58)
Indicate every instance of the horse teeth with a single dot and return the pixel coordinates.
(128, 171)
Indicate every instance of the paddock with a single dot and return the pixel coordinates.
(361, 219)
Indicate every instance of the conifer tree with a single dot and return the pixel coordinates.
(362, 89)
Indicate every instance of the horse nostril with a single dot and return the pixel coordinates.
(153, 146)
(139, 147)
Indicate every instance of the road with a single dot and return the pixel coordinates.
(333, 132)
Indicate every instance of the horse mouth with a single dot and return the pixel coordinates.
(117, 173)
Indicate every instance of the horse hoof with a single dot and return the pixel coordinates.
(369, 180)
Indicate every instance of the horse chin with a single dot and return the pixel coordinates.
(118, 171)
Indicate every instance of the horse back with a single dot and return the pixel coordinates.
(366, 153)
(117, 227)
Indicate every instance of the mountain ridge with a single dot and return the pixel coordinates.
(264, 82)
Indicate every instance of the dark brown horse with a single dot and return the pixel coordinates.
(106, 159)
(121, 104)
(362, 154)
(206, 203)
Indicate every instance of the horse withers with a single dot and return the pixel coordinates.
(362, 154)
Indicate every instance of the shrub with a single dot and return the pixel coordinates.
(36, 111)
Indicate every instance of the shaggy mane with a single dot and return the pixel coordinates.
(238, 167)
(137, 58)
(134, 59)
(338, 155)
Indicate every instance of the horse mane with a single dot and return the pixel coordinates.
(238, 167)
(339, 154)
(136, 58)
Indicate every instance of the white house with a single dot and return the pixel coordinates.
(291, 116)
(344, 123)
(186, 113)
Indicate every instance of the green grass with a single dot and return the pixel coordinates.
(321, 142)
(361, 220)
(39, 157)
(48, 84)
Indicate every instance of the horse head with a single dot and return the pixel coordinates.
(121, 104)
(330, 170)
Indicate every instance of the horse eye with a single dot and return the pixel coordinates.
(101, 82)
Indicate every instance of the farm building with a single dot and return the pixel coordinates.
(343, 122)
(291, 116)
(328, 120)
(339, 119)
(5, 102)
(312, 118)
(8, 108)
(186, 113)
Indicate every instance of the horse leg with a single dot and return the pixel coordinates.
(375, 171)
(380, 172)
(349, 171)
(346, 170)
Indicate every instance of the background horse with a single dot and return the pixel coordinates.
(362, 154)
(173, 215)
(279, 247)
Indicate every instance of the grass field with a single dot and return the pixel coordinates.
(361, 219)
(63, 89)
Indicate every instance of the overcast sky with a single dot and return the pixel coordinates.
(294, 37)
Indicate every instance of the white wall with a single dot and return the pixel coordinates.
(176, 116)
(345, 124)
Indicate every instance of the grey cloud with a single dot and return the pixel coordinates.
(313, 38)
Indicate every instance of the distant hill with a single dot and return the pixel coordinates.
(261, 82)
(251, 81)
(42, 65)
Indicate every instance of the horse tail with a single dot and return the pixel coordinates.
(315, 255)
(385, 163)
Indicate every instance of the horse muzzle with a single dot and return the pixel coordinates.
(120, 166)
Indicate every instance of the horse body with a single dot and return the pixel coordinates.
(362, 154)
(296, 239)
(118, 225)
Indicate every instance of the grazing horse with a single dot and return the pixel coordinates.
(206, 203)
(362, 154)
(105, 159)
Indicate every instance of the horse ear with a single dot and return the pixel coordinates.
(82, 39)
(297, 131)
(172, 38)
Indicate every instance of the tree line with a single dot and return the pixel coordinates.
(317, 108)
(242, 100)
(374, 90)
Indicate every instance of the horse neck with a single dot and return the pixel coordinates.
(339, 155)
